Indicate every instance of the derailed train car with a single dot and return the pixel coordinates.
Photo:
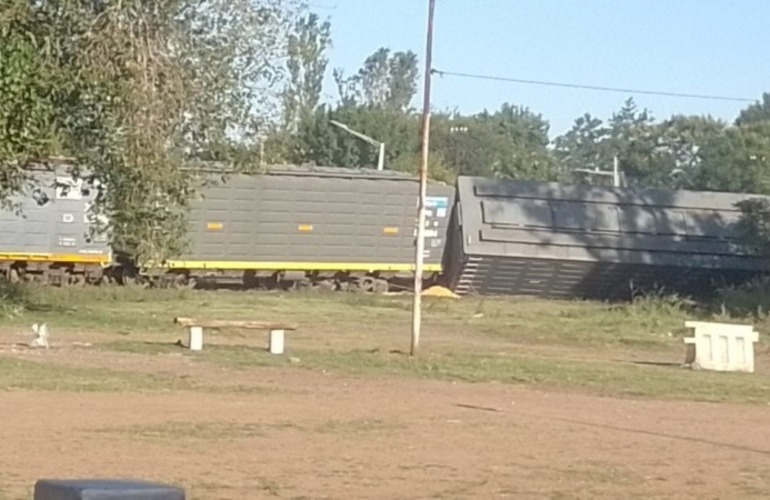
(547, 239)
(45, 234)
(312, 226)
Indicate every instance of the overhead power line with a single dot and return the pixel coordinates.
(591, 87)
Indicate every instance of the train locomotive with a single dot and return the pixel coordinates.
(355, 229)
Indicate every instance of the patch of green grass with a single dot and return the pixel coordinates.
(33, 375)
(607, 378)
(16, 374)
(648, 323)
(562, 344)
(601, 377)
(219, 431)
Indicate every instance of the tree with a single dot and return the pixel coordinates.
(138, 89)
(759, 111)
(630, 136)
(307, 62)
(737, 160)
(682, 150)
(585, 146)
(321, 143)
(385, 81)
(633, 140)
(29, 98)
(511, 143)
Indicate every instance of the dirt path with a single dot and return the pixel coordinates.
(318, 436)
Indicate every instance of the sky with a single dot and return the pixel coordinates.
(714, 47)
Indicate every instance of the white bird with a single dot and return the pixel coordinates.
(41, 336)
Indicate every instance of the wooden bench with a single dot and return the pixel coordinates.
(275, 342)
(721, 346)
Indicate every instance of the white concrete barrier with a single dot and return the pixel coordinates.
(196, 338)
(721, 346)
(275, 342)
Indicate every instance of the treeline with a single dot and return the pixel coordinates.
(681, 152)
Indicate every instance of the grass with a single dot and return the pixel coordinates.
(606, 377)
(16, 374)
(232, 431)
(19, 374)
(569, 345)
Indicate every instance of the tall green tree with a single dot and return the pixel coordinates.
(307, 60)
(322, 143)
(137, 89)
(585, 146)
(386, 80)
(31, 93)
(511, 143)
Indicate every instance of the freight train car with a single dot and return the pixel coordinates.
(554, 240)
(44, 235)
(311, 226)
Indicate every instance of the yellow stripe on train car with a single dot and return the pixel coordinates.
(69, 258)
(294, 266)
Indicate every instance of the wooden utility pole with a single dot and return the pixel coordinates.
(420, 245)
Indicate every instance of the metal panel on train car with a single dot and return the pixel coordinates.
(50, 223)
(315, 218)
(585, 241)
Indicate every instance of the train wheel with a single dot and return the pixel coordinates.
(133, 280)
(368, 285)
(77, 280)
(362, 285)
(183, 281)
(381, 285)
(323, 286)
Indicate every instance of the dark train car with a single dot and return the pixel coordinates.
(553, 240)
(330, 227)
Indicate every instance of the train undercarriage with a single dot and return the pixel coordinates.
(322, 281)
(77, 274)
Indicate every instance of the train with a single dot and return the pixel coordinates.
(355, 229)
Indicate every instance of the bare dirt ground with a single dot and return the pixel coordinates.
(307, 434)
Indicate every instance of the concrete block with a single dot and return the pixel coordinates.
(196, 338)
(276, 342)
(721, 346)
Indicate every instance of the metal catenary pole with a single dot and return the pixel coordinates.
(420, 245)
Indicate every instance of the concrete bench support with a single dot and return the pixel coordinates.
(721, 346)
(276, 342)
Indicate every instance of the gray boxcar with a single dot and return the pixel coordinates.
(312, 224)
(46, 235)
(580, 241)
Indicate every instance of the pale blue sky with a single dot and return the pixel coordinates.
(718, 47)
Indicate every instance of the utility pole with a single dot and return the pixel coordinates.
(420, 245)
(374, 142)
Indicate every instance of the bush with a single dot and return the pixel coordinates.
(748, 299)
(15, 298)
